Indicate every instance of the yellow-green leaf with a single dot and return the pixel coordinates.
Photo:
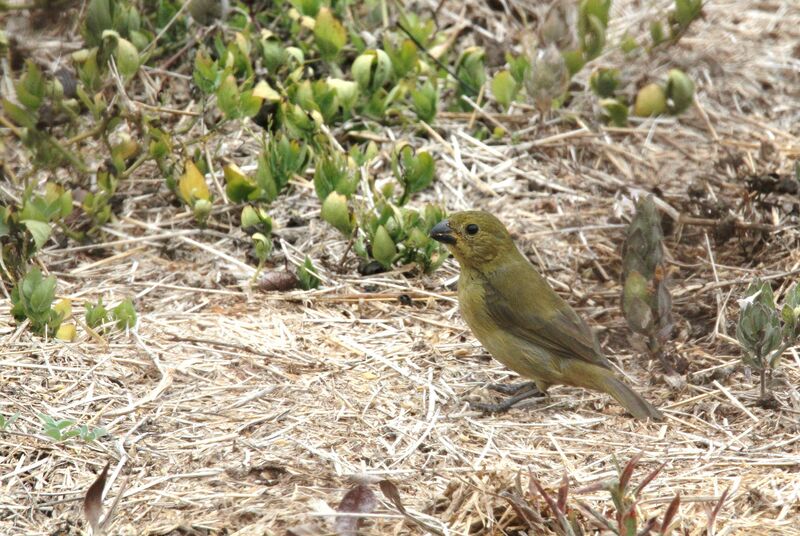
(192, 185)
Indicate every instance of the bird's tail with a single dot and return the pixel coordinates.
(640, 408)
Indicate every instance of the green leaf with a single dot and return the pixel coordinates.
(18, 115)
(329, 34)
(39, 230)
(206, 74)
(124, 314)
(265, 179)
(792, 297)
(404, 56)
(98, 19)
(336, 213)
(309, 8)
(6, 422)
(42, 297)
(96, 314)
(228, 97)
(307, 275)
(426, 102)
(657, 33)
(680, 91)
(249, 104)
(604, 82)
(594, 39)
(597, 8)
(273, 55)
(615, 111)
(687, 10)
(127, 58)
(30, 89)
(262, 246)
(504, 88)
(238, 186)
(628, 44)
(471, 71)
(383, 247)
(371, 70)
(574, 60)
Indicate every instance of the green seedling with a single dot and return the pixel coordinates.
(32, 299)
(307, 275)
(764, 332)
(414, 170)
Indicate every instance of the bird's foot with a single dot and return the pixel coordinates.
(511, 389)
(501, 407)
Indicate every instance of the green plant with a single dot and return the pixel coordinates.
(329, 34)
(505, 88)
(679, 19)
(615, 111)
(392, 235)
(646, 300)
(124, 314)
(592, 23)
(471, 73)
(25, 229)
(307, 275)
(257, 223)
(5, 422)
(194, 191)
(426, 101)
(96, 314)
(764, 332)
(625, 499)
(563, 520)
(32, 299)
(36, 93)
(335, 180)
(680, 91)
(604, 82)
(115, 15)
(414, 170)
(63, 429)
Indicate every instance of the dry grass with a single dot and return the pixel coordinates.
(234, 411)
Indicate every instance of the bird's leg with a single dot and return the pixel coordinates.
(511, 389)
(508, 403)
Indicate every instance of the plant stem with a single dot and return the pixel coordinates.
(763, 376)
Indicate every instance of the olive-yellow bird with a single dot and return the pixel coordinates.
(520, 319)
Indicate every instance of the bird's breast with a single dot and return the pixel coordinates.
(472, 304)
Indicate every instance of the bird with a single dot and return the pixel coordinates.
(522, 321)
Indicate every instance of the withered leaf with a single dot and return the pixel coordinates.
(671, 512)
(359, 500)
(712, 514)
(93, 501)
(390, 491)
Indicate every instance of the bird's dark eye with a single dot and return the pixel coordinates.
(472, 229)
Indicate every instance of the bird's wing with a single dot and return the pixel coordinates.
(514, 301)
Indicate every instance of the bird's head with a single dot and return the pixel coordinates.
(475, 238)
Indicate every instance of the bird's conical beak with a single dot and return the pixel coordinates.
(442, 232)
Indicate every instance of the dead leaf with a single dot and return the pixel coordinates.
(93, 501)
(390, 492)
(359, 500)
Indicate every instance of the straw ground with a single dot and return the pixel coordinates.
(233, 410)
